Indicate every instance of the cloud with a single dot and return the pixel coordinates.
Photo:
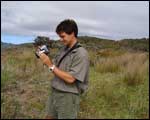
(114, 20)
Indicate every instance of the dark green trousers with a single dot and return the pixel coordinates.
(63, 105)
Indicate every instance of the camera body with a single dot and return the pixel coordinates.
(42, 49)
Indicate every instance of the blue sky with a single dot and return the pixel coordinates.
(17, 39)
(22, 21)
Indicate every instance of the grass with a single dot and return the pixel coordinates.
(134, 66)
(109, 97)
(118, 86)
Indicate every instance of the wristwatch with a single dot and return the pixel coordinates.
(52, 68)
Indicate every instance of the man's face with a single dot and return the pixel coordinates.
(65, 38)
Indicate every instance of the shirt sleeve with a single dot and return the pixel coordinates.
(79, 67)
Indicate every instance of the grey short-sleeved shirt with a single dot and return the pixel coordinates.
(75, 63)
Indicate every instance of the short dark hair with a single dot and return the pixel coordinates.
(68, 26)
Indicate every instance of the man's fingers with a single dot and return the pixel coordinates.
(43, 57)
(41, 54)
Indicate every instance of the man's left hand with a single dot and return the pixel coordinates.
(45, 59)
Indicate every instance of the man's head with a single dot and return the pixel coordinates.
(67, 31)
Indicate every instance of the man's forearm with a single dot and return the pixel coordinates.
(63, 75)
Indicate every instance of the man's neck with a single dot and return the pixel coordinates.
(73, 42)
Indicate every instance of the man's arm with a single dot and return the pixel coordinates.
(61, 74)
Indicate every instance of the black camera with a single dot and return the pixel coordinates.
(42, 49)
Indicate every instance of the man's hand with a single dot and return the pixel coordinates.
(61, 74)
(45, 59)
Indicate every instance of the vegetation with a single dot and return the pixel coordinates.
(118, 84)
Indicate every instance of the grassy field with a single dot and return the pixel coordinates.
(118, 85)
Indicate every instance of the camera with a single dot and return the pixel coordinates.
(42, 49)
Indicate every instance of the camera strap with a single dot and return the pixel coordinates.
(76, 45)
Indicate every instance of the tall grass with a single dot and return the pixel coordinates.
(135, 72)
(121, 93)
(107, 65)
(5, 76)
(118, 85)
(134, 66)
(25, 84)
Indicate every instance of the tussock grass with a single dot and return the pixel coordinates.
(133, 65)
(118, 85)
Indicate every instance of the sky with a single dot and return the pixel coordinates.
(22, 21)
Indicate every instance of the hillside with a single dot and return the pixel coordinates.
(6, 45)
(118, 80)
(97, 44)
(135, 44)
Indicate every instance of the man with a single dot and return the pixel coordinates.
(70, 73)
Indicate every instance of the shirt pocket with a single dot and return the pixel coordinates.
(56, 59)
(67, 63)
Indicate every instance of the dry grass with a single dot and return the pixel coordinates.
(135, 71)
(118, 86)
(134, 66)
(25, 84)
